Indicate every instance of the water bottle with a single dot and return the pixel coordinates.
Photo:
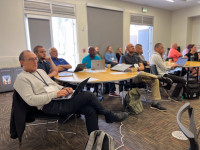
(192, 58)
(182, 97)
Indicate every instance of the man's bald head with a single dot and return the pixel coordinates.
(174, 45)
(130, 48)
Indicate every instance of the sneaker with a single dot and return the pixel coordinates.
(158, 107)
(116, 116)
(176, 99)
(114, 94)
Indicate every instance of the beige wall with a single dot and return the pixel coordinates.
(195, 30)
(13, 40)
(182, 24)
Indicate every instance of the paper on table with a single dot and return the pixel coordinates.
(95, 71)
(118, 73)
(93, 79)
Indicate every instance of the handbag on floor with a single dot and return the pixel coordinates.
(100, 140)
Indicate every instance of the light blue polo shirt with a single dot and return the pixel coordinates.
(87, 59)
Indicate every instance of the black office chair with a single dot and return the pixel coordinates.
(22, 113)
(167, 59)
(168, 81)
(190, 133)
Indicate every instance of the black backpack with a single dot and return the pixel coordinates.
(191, 90)
(100, 140)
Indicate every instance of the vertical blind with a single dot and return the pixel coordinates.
(105, 27)
(39, 31)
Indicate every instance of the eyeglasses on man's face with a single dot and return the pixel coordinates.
(31, 59)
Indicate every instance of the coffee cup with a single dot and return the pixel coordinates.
(108, 65)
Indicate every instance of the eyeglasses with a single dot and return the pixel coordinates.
(32, 59)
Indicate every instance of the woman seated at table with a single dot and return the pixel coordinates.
(192, 55)
(110, 57)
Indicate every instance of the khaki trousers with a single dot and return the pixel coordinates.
(151, 80)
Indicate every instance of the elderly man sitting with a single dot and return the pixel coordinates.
(37, 89)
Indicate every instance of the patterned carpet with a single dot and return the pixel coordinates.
(150, 130)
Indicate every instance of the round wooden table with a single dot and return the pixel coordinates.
(97, 77)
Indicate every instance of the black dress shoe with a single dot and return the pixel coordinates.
(116, 117)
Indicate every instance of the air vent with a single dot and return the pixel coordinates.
(63, 9)
(37, 6)
(141, 20)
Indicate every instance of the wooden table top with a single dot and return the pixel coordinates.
(187, 64)
(97, 77)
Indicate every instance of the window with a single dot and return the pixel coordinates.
(64, 38)
(52, 24)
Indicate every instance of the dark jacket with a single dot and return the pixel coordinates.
(21, 114)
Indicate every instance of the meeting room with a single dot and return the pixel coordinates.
(99, 74)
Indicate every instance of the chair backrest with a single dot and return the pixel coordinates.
(20, 114)
(190, 133)
(169, 58)
(153, 70)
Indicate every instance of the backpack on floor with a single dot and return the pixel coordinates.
(191, 90)
(100, 140)
(132, 102)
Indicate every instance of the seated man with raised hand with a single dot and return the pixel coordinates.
(45, 62)
(156, 59)
(37, 89)
(131, 58)
(61, 63)
(88, 59)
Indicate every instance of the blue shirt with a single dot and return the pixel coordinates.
(87, 59)
(110, 57)
(60, 61)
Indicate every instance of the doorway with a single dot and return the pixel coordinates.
(142, 34)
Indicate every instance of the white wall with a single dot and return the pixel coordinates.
(182, 25)
(13, 40)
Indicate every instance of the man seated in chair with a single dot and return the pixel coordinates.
(131, 58)
(37, 89)
(156, 59)
(88, 59)
(45, 62)
(139, 52)
(174, 53)
(61, 63)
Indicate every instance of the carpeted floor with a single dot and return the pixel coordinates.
(150, 130)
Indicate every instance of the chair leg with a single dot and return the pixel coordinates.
(40, 123)
(57, 126)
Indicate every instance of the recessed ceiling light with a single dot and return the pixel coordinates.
(170, 1)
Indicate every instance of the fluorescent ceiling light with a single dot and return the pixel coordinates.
(170, 1)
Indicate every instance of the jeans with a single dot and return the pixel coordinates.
(85, 103)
